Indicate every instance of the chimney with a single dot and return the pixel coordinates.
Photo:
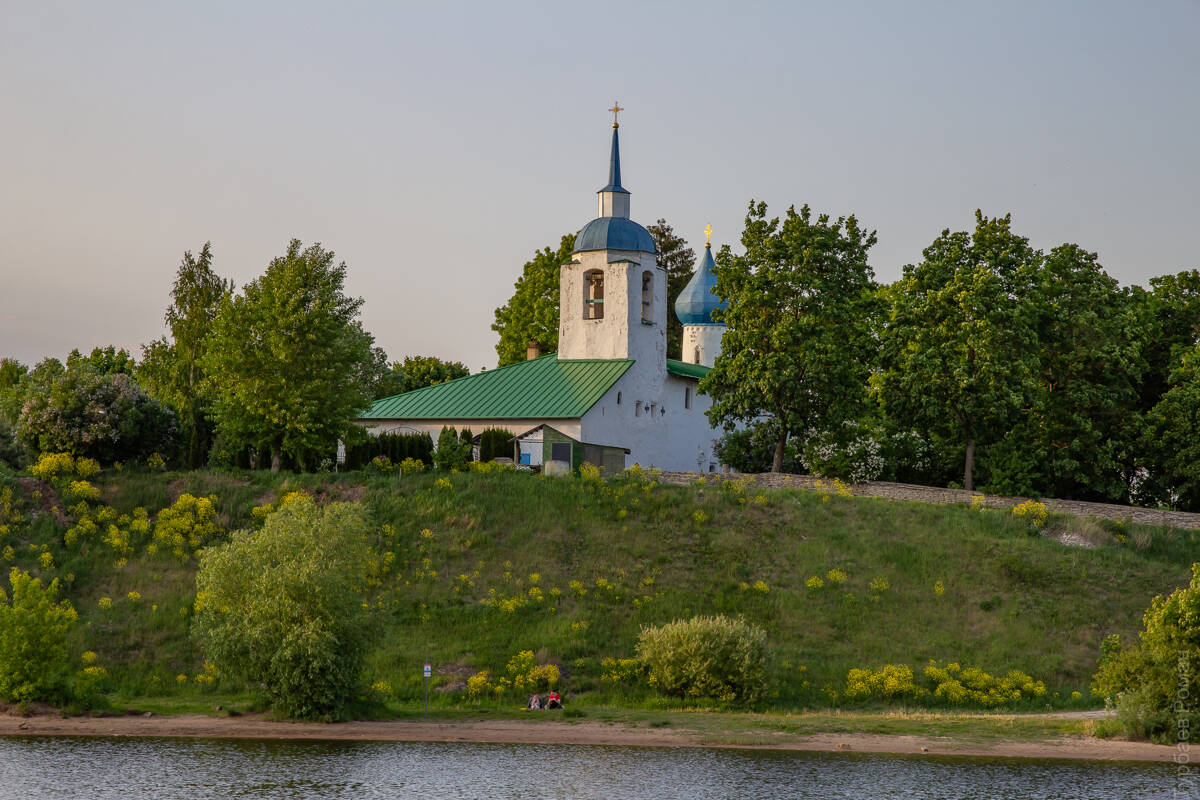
(532, 350)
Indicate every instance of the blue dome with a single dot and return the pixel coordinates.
(696, 302)
(614, 233)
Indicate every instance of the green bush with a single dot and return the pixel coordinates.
(188, 525)
(33, 639)
(468, 442)
(493, 443)
(381, 465)
(973, 686)
(396, 447)
(11, 451)
(451, 453)
(706, 657)
(108, 417)
(1154, 683)
(748, 450)
(889, 682)
(284, 606)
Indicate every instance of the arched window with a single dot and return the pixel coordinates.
(687, 396)
(593, 294)
(648, 297)
(618, 398)
(696, 359)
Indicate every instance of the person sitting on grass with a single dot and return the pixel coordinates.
(554, 700)
(535, 703)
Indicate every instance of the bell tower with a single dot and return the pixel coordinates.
(612, 301)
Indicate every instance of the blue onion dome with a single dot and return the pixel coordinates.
(614, 233)
(696, 302)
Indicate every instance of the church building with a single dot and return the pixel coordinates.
(610, 386)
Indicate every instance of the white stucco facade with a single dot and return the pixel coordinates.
(702, 343)
(656, 424)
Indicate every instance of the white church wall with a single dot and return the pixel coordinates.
(656, 426)
(702, 343)
(690, 438)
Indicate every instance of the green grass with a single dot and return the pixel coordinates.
(1012, 599)
(747, 728)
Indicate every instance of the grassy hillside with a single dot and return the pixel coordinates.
(475, 567)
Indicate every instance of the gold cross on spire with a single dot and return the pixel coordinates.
(616, 109)
(708, 235)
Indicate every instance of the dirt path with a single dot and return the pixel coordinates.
(252, 726)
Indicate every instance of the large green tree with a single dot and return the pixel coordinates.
(284, 606)
(1077, 438)
(679, 261)
(289, 365)
(531, 314)
(959, 346)
(417, 372)
(173, 369)
(798, 346)
(1172, 443)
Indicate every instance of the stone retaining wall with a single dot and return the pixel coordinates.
(931, 494)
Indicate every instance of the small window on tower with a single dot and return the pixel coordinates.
(648, 298)
(593, 294)
(696, 357)
(687, 397)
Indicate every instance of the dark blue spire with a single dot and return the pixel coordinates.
(614, 167)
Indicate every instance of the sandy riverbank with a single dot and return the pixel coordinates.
(252, 726)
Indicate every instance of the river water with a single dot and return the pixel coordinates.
(165, 769)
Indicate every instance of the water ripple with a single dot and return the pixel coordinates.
(198, 769)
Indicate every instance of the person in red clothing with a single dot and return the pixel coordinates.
(554, 700)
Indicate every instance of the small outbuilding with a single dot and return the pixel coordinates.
(543, 445)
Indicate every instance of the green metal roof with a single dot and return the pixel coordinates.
(685, 370)
(544, 388)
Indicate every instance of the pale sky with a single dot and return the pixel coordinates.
(434, 146)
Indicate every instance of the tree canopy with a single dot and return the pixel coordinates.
(532, 311)
(284, 606)
(1076, 438)
(289, 365)
(173, 370)
(959, 347)
(798, 345)
(1172, 445)
(102, 361)
(417, 372)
